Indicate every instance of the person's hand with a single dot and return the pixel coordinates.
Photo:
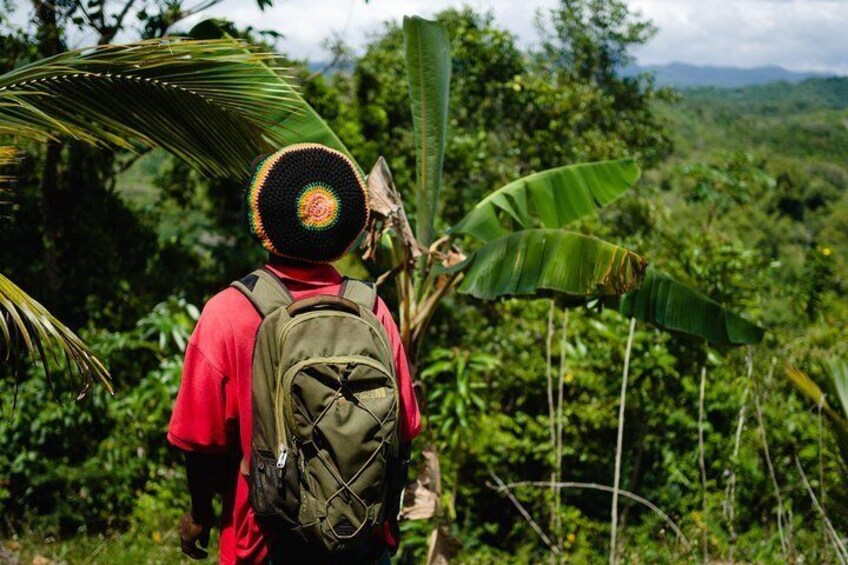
(192, 531)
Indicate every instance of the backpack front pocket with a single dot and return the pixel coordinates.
(274, 490)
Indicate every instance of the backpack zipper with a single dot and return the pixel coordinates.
(380, 331)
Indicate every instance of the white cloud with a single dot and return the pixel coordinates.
(796, 34)
(306, 23)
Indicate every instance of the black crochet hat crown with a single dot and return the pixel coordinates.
(307, 202)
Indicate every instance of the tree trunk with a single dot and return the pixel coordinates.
(50, 43)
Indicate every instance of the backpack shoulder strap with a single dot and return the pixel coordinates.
(361, 292)
(265, 291)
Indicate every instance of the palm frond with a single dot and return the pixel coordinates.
(26, 327)
(216, 104)
(8, 155)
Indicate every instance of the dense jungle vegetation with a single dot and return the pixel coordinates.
(743, 195)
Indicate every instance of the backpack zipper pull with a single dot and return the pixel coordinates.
(284, 455)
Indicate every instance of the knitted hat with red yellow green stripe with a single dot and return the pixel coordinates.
(307, 202)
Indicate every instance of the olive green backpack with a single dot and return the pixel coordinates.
(325, 451)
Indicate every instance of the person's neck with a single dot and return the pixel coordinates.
(283, 262)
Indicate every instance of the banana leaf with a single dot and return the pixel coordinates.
(216, 104)
(538, 261)
(550, 199)
(428, 71)
(671, 305)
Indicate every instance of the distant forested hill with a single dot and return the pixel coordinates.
(779, 97)
(795, 134)
(683, 75)
(807, 120)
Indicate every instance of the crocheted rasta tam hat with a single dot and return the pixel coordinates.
(307, 202)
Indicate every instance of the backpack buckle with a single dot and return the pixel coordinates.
(345, 376)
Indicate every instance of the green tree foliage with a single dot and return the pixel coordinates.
(83, 466)
(502, 103)
(585, 43)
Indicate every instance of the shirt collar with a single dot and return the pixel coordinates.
(306, 274)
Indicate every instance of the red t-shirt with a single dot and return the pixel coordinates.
(213, 413)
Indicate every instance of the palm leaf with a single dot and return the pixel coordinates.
(671, 305)
(302, 126)
(428, 71)
(552, 198)
(216, 104)
(532, 261)
(808, 387)
(27, 327)
(8, 155)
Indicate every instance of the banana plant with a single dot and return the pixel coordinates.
(521, 248)
(515, 241)
(670, 305)
(517, 237)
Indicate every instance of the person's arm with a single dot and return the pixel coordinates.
(410, 423)
(410, 426)
(199, 427)
(203, 471)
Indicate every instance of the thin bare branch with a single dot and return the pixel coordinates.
(730, 491)
(772, 475)
(549, 376)
(705, 546)
(595, 486)
(619, 444)
(821, 471)
(839, 546)
(108, 32)
(562, 368)
(505, 489)
(551, 410)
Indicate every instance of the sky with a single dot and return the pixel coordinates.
(801, 35)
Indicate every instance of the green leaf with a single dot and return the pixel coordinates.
(302, 126)
(671, 305)
(808, 387)
(8, 156)
(27, 327)
(216, 104)
(837, 370)
(529, 262)
(551, 199)
(428, 71)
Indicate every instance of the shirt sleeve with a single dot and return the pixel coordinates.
(205, 413)
(410, 415)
